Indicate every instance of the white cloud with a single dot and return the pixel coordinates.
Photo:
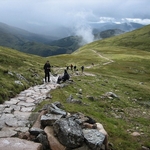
(46, 15)
(139, 20)
(123, 20)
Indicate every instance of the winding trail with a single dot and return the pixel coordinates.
(109, 60)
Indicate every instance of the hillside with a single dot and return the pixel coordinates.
(16, 66)
(31, 43)
(23, 35)
(44, 46)
(117, 67)
(137, 39)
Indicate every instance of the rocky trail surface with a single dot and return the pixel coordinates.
(15, 113)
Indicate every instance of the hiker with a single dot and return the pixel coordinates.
(67, 67)
(71, 66)
(64, 77)
(100, 128)
(47, 70)
(82, 68)
(75, 67)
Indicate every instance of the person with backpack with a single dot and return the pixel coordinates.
(82, 68)
(47, 70)
(64, 77)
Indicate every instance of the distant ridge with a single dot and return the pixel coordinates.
(42, 45)
(138, 39)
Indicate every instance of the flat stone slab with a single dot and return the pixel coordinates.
(8, 110)
(26, 104)
(18, 144)
(2, 107)
(27, 109)
(30, 100)
(15, 107)
(22, 129)
(12, 102)
(5, 134)
(22, 115)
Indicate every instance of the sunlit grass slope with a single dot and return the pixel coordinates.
(123, 69)
(137, 39)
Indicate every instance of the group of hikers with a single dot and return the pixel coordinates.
(64, 77)
(75, 68)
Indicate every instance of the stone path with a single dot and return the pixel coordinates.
(15, 113)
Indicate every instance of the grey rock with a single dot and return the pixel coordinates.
(12, 101)
(49, 119)
(21, 129)
(18, 144)
(27, 109)
(93, 138)
(41, 138)
(2, 107)
(36, 131)
(15, 107)
(26, 104)
(8, 133)
(69, 132)
(11, 122)
(22, 115)
(8, 110)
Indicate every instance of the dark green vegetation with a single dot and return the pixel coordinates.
(109, 33)
(121, 66)
(40, 45)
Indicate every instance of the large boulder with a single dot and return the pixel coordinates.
(69, 132)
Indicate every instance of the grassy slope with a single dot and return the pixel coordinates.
(127, 75)
(12, 63)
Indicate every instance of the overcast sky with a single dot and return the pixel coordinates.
(35, 15)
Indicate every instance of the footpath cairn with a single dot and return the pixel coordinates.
(51, 129)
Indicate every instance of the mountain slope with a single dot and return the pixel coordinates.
(31, 43)
(23, 34)
(17, 66)
(138, 39)
(115, 84)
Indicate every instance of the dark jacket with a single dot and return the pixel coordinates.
(47, 67)
(65, 76)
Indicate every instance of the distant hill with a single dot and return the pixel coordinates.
(31, 43)
(126, 27)
(20, 34)
(71, 42)
(42, 45)
(138, 39)
(108, 33)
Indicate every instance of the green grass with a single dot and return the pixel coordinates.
(127, 75)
